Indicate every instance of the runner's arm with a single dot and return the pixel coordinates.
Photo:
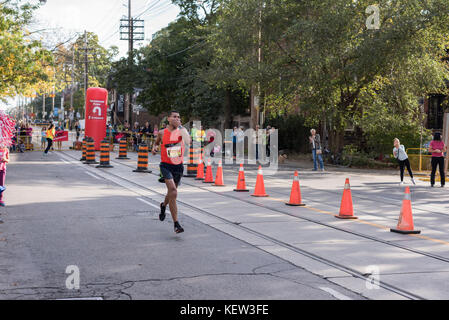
(157, 142)
(186, 136)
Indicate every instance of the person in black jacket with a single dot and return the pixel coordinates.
(315, 143)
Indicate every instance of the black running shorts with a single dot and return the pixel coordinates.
(172, 172)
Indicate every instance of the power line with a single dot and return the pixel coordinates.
(149, 8)
(109, 14)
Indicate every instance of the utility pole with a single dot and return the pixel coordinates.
(130, 59)
(73, 75)
(130, 35)
(86, 74)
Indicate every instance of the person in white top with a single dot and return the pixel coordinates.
(401, 155)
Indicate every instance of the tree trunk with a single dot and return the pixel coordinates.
(336, 140)
(228, 110)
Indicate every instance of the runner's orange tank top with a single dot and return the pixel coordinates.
(172, 150)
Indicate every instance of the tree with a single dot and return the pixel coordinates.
(319, 57)
(23, 62)
(171, 69)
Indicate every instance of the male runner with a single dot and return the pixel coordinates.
(172, 140)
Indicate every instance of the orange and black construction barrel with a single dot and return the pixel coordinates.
(90, 154)
(104, 154)
(83, 158)
(123, 149)
(192, 166)
(142, 160)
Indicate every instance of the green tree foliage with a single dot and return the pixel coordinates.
(319, 57)
(22, 62)
(171, 70)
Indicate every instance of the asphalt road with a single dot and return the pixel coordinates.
(59, 214)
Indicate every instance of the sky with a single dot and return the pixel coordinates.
(62, 19)
(103, 18)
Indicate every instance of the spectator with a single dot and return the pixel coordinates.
(256, 141)
(4, 159)
(43, 138)
(59, 131)
(315, 143)
(267, 141)
(29, 133)
(21, 146)
(77, 129)
(14, 143)
(136, 136)
(401, 155)
(437, 148)
(234, 141)
(126, 126)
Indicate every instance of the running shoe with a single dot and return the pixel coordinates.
(2, 204)
(162, 214)
(413, 181)
(2, 188)
(178, 228)
(402, 183)
(161, 179)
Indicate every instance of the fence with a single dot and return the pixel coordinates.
(35, 142)
(420, 162)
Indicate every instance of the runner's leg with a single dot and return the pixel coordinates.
(172, 194)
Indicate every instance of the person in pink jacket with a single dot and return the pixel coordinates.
(4, 159)
(437, 148)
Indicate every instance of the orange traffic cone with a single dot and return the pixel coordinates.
(200, 170)
(405, 224)
(295, 195)
(219, 177)
(346, 209)
(260, 186)
(241, 186)
(209, 177)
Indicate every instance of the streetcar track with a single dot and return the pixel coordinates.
(338, 193)
(310, 255)
(430, 255)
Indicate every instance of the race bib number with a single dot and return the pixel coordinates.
(174, 152)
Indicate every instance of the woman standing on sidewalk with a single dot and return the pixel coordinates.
(437, 148)
(401, 155)
(4, 159)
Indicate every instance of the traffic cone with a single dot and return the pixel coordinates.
(405, 224)
(241, 186)
(295, 195)
(219, 177)
(260, 186)
(209, 176)
(200, 170)
(346, 209)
